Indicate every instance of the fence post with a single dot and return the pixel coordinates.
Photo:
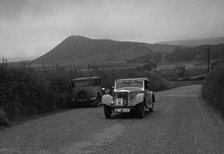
(3, 61)
(57, 66)
(88, 67)
(6, 63)
(42, 66)
(24, 66)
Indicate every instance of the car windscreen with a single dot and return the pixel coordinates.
(128, 83)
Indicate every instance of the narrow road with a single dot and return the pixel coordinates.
(181, 123)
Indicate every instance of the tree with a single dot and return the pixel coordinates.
(181, 71)
(149, 66)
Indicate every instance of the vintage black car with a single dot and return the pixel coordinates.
(129, 95)
(86, 90)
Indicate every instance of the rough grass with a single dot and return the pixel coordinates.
(213, 89)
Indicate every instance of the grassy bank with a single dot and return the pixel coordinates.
(25, 93)
(213, 89)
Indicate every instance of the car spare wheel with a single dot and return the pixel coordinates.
(82, 95)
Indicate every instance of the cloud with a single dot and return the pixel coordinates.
(33, 27)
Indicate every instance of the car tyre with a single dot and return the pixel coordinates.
(107, 111)
(140, 110)
(152, 108)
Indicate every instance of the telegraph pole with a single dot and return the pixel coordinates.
(208, 60)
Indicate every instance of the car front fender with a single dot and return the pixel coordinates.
(137, 99)
(107, 99)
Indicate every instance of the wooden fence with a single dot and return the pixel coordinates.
(81, 68)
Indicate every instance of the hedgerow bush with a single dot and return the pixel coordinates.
(213, 89)
(156, 82)
(25, 92)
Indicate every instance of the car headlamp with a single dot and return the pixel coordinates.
(112, 102)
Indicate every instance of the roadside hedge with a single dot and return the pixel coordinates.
(25, 92)
(213, 89)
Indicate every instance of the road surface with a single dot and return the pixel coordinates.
(181, 123)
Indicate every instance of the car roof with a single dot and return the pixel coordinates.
(86, 78)
(129, 79)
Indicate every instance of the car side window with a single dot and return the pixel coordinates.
(97, 82)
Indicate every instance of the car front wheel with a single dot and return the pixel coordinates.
(107, 111)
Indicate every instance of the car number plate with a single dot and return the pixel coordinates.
(122, 110)
(119, 101)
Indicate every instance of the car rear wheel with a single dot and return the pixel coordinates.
(152, 108)
(140, 110)
(107, 111)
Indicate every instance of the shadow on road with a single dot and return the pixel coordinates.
(128, 115)
(85, 106)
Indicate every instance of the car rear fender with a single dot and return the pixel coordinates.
(151, 97)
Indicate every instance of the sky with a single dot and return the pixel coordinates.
(31, 28)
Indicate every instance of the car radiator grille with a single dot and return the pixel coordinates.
(124, 97)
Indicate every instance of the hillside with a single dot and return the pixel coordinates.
(195, 42)
(183, 54)
(82, 50)
(79, 50)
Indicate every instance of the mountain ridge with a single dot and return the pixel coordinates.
(80, 49)
(83, 50)
(195, 42)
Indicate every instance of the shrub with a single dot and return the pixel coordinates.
(26, 92)
(213, 89)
